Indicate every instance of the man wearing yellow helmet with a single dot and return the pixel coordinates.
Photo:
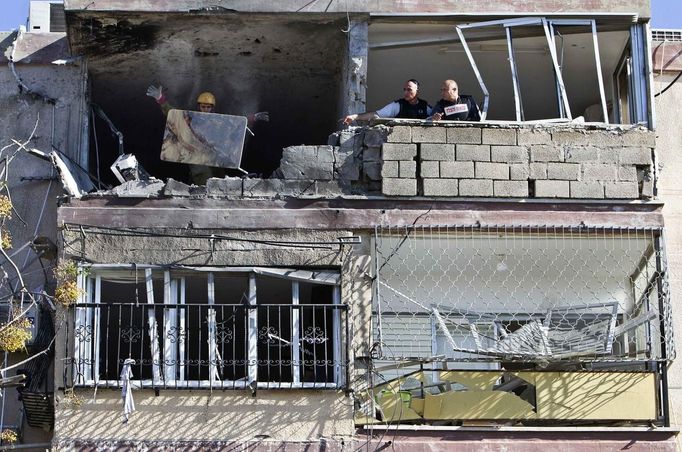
(205, 104)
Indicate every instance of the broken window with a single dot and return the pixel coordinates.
(191, 328)
(494, 295)
(518, 69)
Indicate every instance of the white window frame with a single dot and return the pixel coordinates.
(169, 371)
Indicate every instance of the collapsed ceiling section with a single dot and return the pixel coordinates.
(278, 63)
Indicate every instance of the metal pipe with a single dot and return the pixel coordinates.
(46, 446)
(486, 94)
(515, 79)
(600, 78)
(557, 70)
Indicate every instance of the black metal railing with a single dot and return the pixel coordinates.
(208, 345)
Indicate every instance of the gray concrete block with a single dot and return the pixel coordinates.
(307, 162)
(372, 170)
(622, 190)
(600, 171)
(176, 188)
(533, 136)
(485, 170)
(509, 154)
(459, 170)
(408, 168)
(398, 151)
(635, 156)
(371, 154)
(430, 169)
(552, 189)
(639, 137)
(228, 186)
(519, 171)
(390, 168)
(440, 187)
(546, 153)
(609, 154)
(510, 188)
(375, 137)
(346, 164)
(422, 134)
(537, 171)
(580, 154)
(464, 135)
(351, 141)
(432, 151)
(398, 187)
(570, 137)
(473, 152)
(563, 171)
(498, 136)
(587, 189)
(627, 173)
(475, 187)
(399, 134)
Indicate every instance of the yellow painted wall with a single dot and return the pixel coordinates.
(202, 415)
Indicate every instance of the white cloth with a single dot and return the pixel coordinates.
(126, 388)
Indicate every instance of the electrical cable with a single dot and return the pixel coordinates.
(669, 85)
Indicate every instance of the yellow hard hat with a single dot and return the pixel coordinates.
(206, 98)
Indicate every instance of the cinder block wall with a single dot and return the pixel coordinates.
(554, 161)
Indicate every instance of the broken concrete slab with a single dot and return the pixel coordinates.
(274, 188)
(139, 189)
(226, 187)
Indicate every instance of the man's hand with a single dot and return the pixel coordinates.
(349, 119)
(437, 116)
(156, 93)
(261, 116)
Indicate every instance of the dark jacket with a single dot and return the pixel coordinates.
(471, 113)
(416, 111)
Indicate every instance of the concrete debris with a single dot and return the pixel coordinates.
(307, 162)
(139, 189)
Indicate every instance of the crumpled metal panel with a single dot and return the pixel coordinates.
(204, 138)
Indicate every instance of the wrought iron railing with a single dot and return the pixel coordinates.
(208, 345)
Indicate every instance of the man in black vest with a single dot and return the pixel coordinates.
(409, 107)
(454, 106)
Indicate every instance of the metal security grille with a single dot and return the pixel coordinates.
(536, 294)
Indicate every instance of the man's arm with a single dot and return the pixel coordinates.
(387, 111)
(160, 98)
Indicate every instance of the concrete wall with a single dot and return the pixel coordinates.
(669, 150)
(518, 161)
(292, 415)
(216, 416)
(33, 183)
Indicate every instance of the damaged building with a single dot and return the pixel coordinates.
(398, 283)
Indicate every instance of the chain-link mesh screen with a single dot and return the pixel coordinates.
(538, 294)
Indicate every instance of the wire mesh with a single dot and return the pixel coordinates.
(530, 294)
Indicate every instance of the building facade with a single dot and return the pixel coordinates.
(402, 283)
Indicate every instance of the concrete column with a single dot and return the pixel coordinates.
(354, 76)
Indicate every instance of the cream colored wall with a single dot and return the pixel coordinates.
(669, 150)
(204, 415)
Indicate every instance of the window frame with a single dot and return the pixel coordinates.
(87, 337)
